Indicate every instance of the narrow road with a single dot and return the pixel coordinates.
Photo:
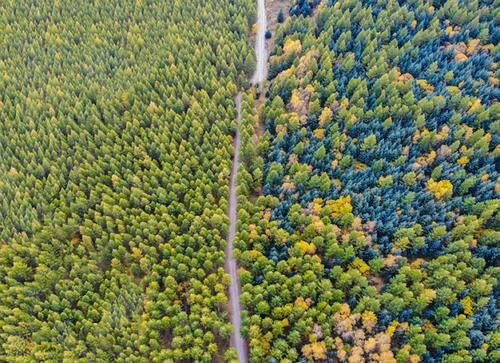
(237, 340)
(260, 45)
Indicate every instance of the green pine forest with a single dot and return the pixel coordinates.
(116, 146)
(368, 190)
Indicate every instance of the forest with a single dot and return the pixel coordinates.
(368, 190)
(369, 219)
(115, 153)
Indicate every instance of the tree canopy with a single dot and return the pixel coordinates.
(115, 149)
(372, 224)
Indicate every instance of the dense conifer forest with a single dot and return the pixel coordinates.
(374, 236)
(368, 209)
(115, 154)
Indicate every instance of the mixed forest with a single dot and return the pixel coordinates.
(368, 209)
(370, 227)
(115, 154)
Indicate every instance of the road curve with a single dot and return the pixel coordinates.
(237, 341)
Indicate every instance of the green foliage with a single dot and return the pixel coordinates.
(115, 149)
(373, 235)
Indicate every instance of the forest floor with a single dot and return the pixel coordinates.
(273, 7)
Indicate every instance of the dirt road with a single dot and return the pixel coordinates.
(258, 78)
